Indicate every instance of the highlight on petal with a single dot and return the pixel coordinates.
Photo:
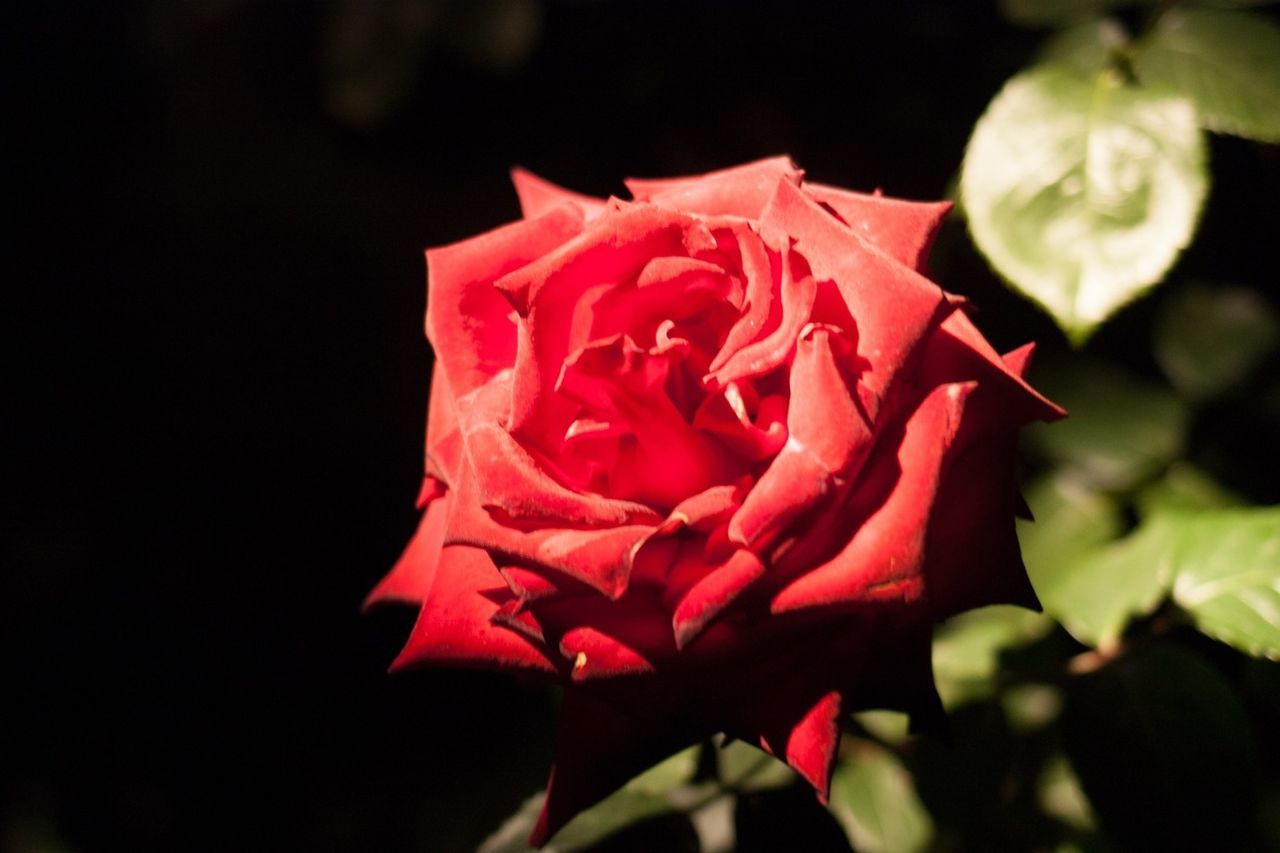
(538, 195)
(903, 230)
(741, 191)
(467, 319)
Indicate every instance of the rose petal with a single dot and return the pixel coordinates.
(894, 305)
(828, 438)
(972, 553)
(740, 191)
(507, 477)
(454, 626)
(666, 458)
(763, 272)
(600, 558)
(467, 320)
(956, 351)
(538, 195)
(798, 292)
(409, 581)
(902, 229)
(556, 296)
(812, 743)
(882, 559)
(710, 596)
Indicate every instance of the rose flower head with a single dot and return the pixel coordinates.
(716, 459)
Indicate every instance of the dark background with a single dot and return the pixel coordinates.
(214, 418)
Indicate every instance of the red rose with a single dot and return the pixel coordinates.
(715, 459)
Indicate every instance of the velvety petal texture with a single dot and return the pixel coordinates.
(716, 459)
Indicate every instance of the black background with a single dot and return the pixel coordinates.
(214, 416)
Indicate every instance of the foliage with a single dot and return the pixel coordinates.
(1086, 177)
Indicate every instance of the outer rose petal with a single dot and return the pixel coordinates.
(467, 320)
(410, 579)
(538, 196)
(901, 229)
(892, 304)
(740, 191)
(972, 553)
(455, 624)
(883, 559)
(956, 351)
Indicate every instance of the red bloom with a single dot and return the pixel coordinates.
(716, 459)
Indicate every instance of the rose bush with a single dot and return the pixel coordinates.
(716, 459)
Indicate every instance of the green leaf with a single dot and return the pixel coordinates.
(667, 774)
(1164, 751)
(1228, 578)
(1222, 567)
(1208, 339)
(966, 649)
(1031, 707)
(1184, 487)
(1225, 61)
(1061, 796)
(1072, 519)
(1087, 47)
(1097, 597)
(1082, 190)
(742, 767)
(874, 799)
(1119, 431)
(661, 789)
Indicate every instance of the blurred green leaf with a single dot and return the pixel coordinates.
(1096, 597)
(892, 727)
(1071, 520)
(1060, 794)
(966, 649)
(1164, 751)
(1208, 339)
(1031, 707)
(1228, 577)
(1184, 487)
(874, 798)
(743, 767)
(659, 790)
(1081, 190)
(1087, 47)
(667, 774)
(1119, 430)
(1222, 567)
(513, 835)
(1225, 61)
